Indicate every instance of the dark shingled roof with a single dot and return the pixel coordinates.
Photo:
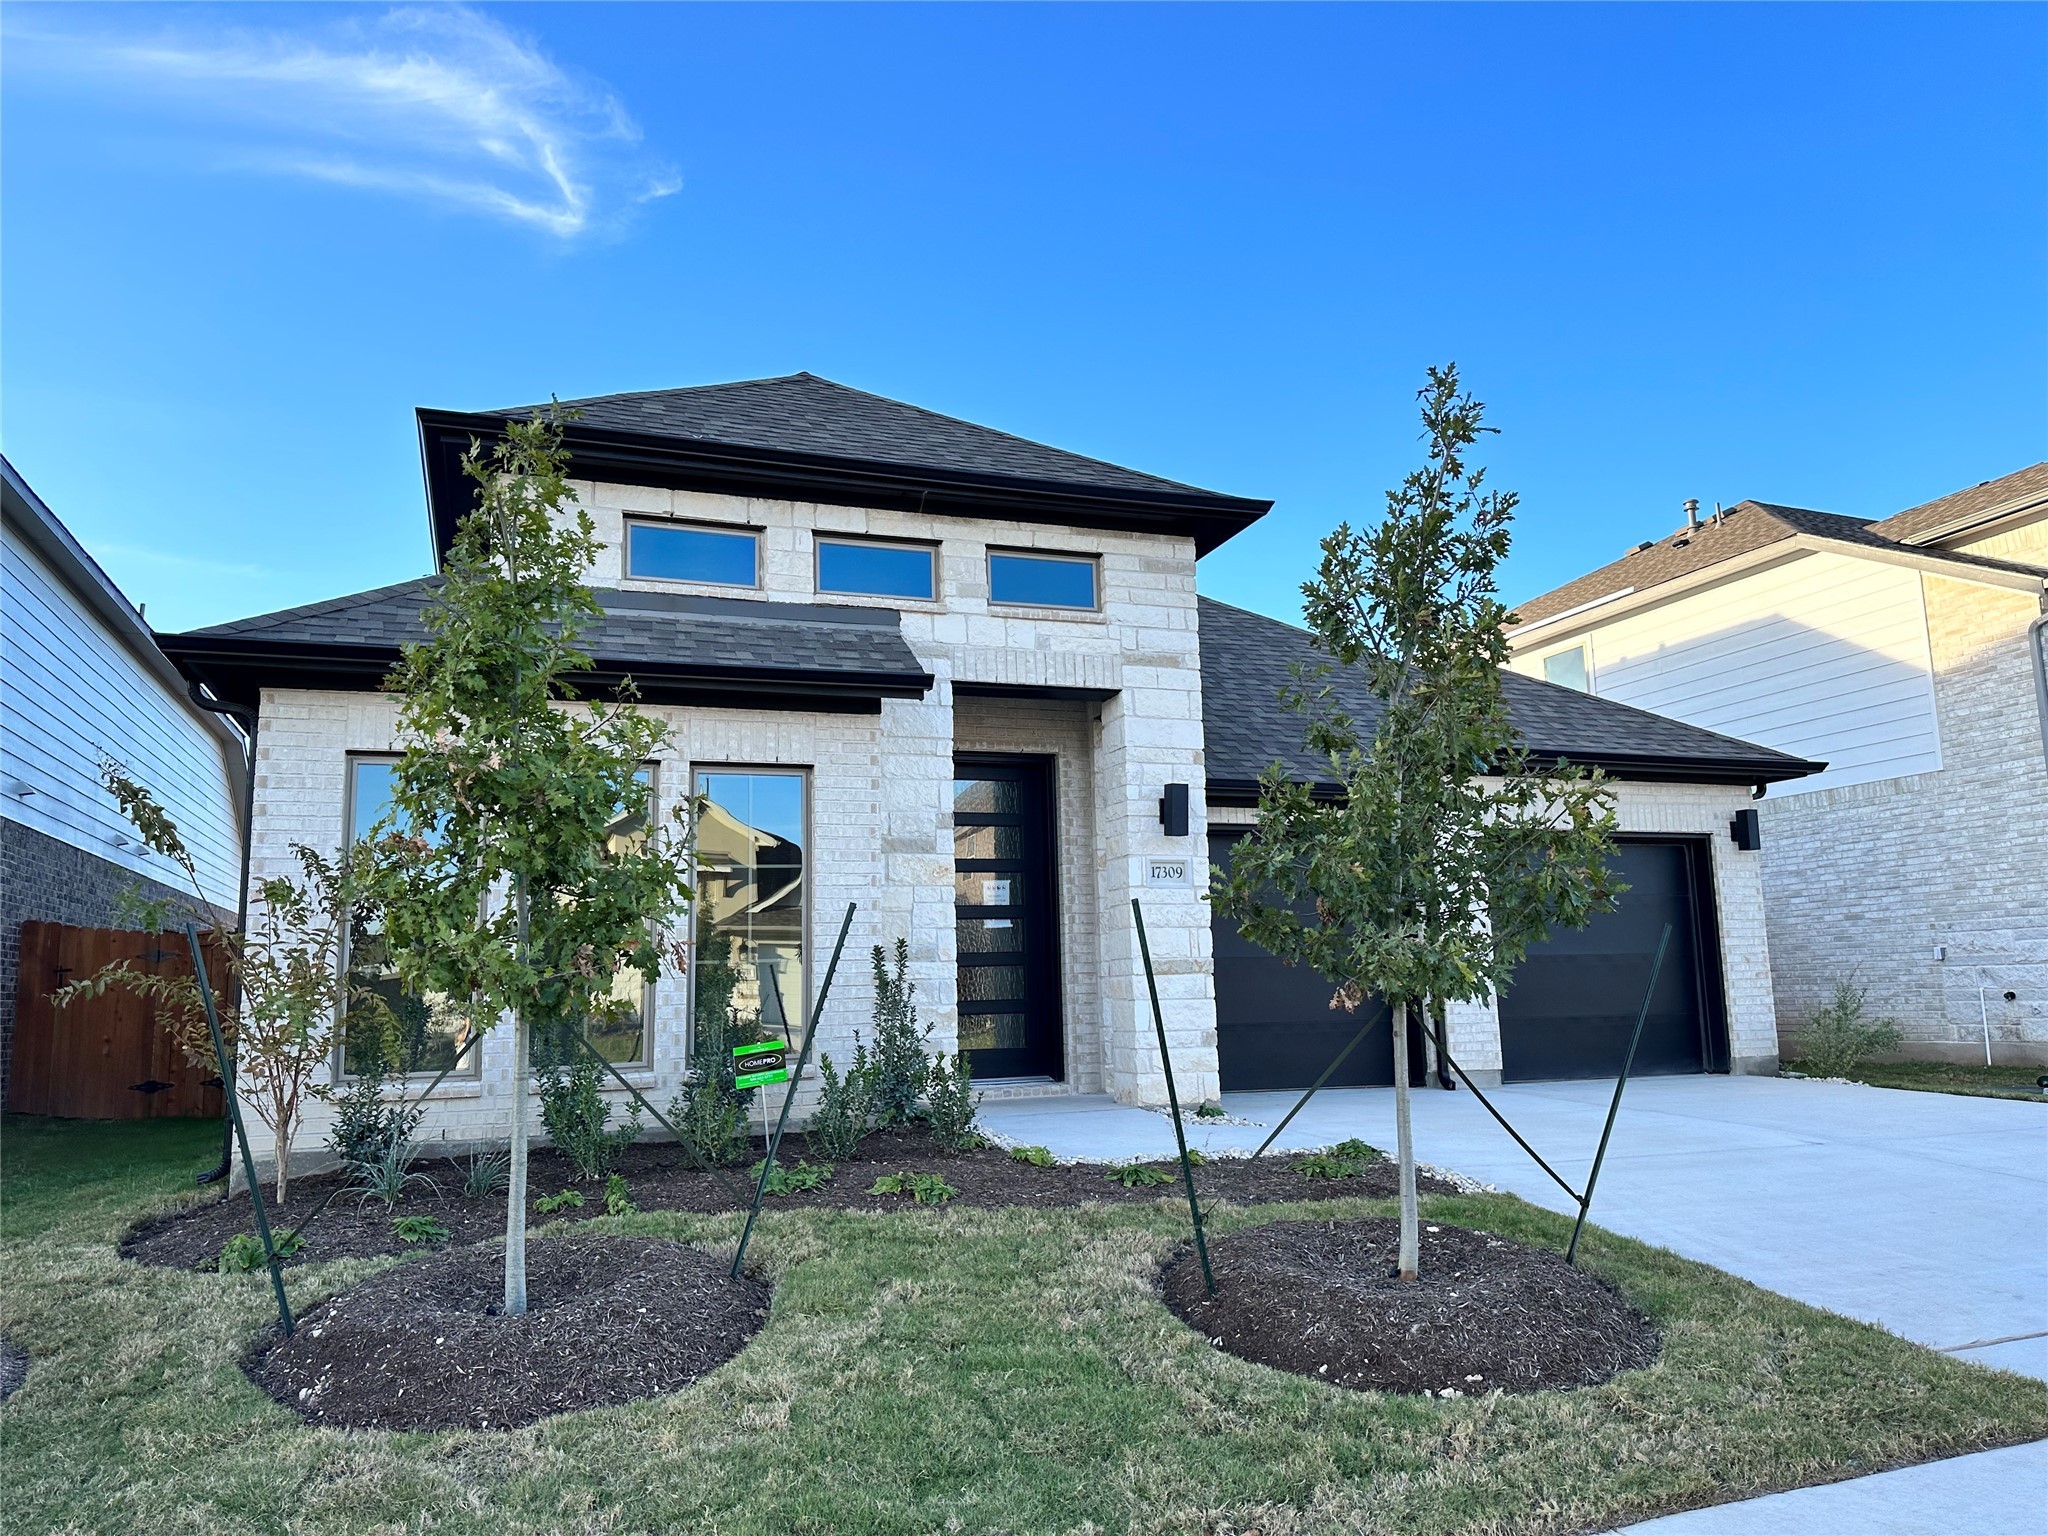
(1247, 658)
(800, 412)
(1959, 509)
(1746, 526)
(676, 648)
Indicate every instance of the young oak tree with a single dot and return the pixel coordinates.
(281, 1016)
(501, 886)
(1446, 852)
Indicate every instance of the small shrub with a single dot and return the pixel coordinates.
(244, 1251)
(923, 1188)
(1838, 1038)
(950, 1104)
(1358, 1151)
(1197, 1158)
(367, 1125)
(1037, 1157)
(901, 1070)
(790, 1181)
(709, 1114)
(390, 1174)
(846, 1106)
(616, 1201)
(567, 1200)
(1210, 1111)
(418, 1229)
(578, 1118)
(1138, 1176)
(486, 1174)
(1328, 1165)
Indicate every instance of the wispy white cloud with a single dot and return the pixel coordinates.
(175, 563)
(441, 103)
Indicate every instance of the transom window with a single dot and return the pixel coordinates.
(1042, 581)
(878, 569)
(679, 552)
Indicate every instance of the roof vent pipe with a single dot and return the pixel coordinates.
(1692, 514)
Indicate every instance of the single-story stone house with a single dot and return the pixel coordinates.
(964, 681)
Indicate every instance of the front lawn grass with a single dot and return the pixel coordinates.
(936, 1369)
(1948, 1077)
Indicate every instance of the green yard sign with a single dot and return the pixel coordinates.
(754, 1065)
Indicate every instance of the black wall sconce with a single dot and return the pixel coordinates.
(1747, 830)
(1173, 810)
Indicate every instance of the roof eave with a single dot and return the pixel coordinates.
(1635, 768)
(634, 458)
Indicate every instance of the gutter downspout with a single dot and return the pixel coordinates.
(2037, 645)
(247, 720)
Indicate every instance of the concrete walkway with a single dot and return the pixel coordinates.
(1921, 1212)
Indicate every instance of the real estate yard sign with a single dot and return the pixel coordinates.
(756, 1065)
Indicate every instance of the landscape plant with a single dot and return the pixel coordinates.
(418, 1229)
(709, 1113)
(1037, 1157)
(1446, 849)
(388, 1173)
(367, 1122)
(285, 992)
(504, 879)
(784, 1179)
(578, 1116)
(847, 1111)
(1839, 1037)
(923, 1188)
(565, 1200)
(244, 1251)
(951, 1103)
(484, 1174)
(902, 1071)
(618, 1201)
(1138, 1176)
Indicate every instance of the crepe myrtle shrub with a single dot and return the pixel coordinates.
(519, 867)
(283, 990)
(901, 1066)
(1446, 852)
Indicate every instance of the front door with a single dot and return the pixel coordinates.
(1004, 916)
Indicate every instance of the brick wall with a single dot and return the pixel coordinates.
(42, 879)
(1869, 882)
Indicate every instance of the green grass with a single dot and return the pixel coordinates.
(927, 1370)
(1948, 1077)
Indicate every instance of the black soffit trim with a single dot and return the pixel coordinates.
(632, 458)
(237, 670)
(1635, 769)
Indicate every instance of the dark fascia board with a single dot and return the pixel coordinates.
(237, 668)
(971, 690)
(1634, 768)
(633, 458)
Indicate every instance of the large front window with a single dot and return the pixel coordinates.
(751, 880)
(424, 1035)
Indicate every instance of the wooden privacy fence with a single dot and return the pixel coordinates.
(103, 1058)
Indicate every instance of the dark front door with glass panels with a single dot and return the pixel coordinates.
(1005, 915)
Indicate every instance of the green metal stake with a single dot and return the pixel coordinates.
(1586, 1203)
(220, 1050)
(1302, 1103)
(789, 1099)
(1187, 1168)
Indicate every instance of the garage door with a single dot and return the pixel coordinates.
(1274, 1024)
(1573, 1002)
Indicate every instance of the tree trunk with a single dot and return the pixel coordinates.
(515, 1183)
(1404, 1142)
(281, 1144)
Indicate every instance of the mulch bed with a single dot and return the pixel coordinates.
(1321, 1299)
(425, 1346)
(659, 1176)
(13, 1368)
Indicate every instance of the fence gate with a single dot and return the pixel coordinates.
(103, 1058)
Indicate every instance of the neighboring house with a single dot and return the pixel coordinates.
(1910, 654)
(964, 681)
(81, 679)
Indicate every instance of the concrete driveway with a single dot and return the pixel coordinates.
(1925, 1213)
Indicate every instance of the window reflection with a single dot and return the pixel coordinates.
(750, 902)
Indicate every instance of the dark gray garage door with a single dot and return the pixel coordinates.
(1573, 1002)
(1274, 1024)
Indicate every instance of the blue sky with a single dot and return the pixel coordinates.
(1791, 253)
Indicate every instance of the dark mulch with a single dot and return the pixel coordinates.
(425, 1346)
(13, 1368)
(1321, 1299)
(659, 1176)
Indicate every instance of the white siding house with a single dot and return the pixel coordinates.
(1906, 654)
(84, 680)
